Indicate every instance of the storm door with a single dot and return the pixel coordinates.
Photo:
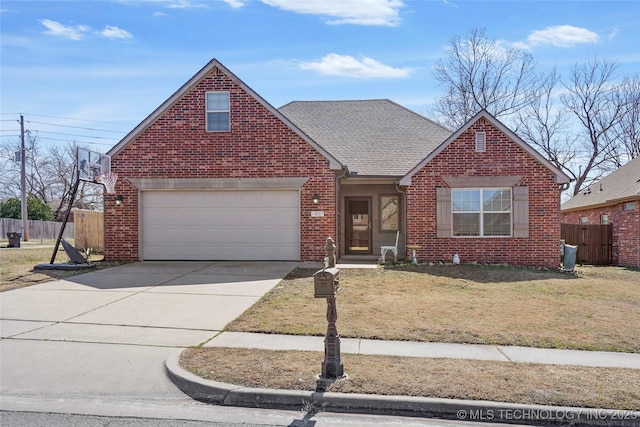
(358, 225)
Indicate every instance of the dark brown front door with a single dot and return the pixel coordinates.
(358, 225)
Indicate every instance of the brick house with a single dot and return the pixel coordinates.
(216, 172)
(613, 200)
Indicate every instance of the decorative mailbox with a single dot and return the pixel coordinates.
(326, 282)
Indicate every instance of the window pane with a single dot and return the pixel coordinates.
(497, 224)
(496, 200)
(466, 200)
(466, 224)
(217, 122)
(389, 213)
(217, 101)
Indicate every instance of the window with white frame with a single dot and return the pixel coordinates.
(481, 212)
(218, 111)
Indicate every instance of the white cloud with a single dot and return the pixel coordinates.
(75, 32)
(235, 3)
(450, 3)
(344, 65)
(562, 36)
(112, 32)
(361, 12)
(78, 32)
(185, 4)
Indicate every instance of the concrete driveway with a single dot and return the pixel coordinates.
(108, 333)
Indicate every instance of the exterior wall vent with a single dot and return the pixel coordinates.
(481, 142)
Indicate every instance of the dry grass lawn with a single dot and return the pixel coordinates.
(16, 266)
(596, 309)
(405, 376)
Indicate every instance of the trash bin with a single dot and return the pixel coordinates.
(14, 239)
(570, 257)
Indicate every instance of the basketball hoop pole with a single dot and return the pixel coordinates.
(66, 218)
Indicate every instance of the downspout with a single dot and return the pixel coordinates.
(338, 239)
(404, 214)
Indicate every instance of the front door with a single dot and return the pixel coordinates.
(358, 225)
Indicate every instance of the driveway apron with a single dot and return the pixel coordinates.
(109, 332)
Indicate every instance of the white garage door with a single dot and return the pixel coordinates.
(220, 225)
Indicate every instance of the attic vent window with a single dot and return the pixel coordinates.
(218, 111)
(481, 142)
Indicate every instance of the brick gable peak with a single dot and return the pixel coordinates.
(561, 177)
(191, 83)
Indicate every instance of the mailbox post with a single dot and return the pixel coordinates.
(326, 285)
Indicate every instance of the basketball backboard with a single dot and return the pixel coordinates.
(91, 164)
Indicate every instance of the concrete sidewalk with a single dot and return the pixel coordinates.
(431, 350)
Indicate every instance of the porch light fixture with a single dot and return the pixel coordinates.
(315, 198)
(119, 200)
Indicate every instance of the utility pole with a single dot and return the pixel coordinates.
(23, 184)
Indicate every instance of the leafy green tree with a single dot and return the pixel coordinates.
(36, 209)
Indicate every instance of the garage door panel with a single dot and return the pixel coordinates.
(220, 225)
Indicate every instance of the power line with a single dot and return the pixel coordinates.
(71, 134)
(76, 127)
(80, 120)
(45, 138)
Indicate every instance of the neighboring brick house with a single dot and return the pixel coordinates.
(217, 173)
(613, 200)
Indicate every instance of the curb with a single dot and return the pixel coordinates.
(225, 394)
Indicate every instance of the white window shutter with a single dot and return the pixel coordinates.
(443, 211)
(481, 142)
(520, 211)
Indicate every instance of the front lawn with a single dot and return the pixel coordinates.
(596, 309)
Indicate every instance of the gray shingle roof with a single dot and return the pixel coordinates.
(371, 137)
(623, 183)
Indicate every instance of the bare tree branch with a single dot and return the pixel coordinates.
(50, 175)
(479, 73)
(592, 100)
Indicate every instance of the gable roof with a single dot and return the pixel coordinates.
(213, 64)
(621, 184)
(371, 137)
(561, 177)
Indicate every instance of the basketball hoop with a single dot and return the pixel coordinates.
(108, 179)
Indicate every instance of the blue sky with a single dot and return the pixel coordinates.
(91, 70)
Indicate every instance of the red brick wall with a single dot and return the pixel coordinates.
(625, 230)
(502, 158)
(258, 145)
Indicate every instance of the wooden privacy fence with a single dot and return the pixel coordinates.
(593, 241)
(38, 230)
(89, 226)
